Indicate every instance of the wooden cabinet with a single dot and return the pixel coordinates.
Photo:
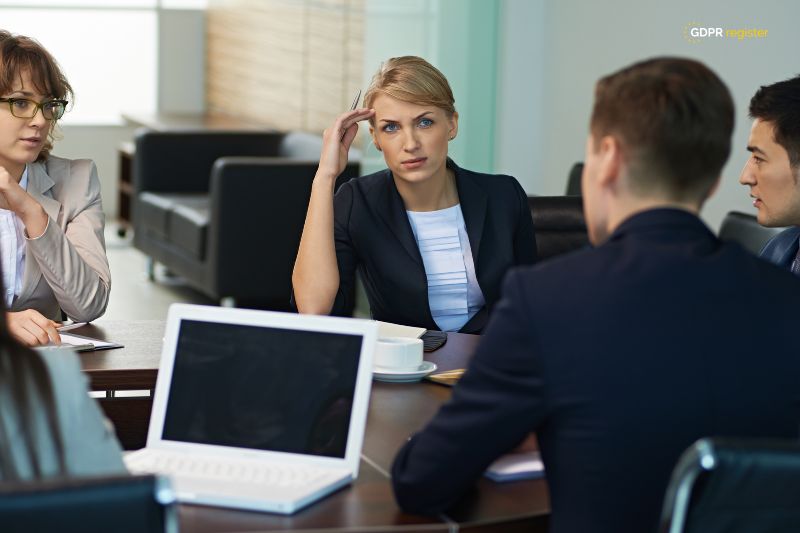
(125, 187)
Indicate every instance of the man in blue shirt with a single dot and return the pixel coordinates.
(773, 170)
(621, 356)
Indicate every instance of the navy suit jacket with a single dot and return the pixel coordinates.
(618, 358)
(782, 248)
(372, 233)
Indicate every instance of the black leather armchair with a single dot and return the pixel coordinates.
(225, 210)
(734, 486)
(745, 229)
(122, 504)
(558, 224)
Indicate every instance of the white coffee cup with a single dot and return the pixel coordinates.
(400, 354)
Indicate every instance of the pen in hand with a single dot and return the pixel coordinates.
(352, 108)
(68, 327)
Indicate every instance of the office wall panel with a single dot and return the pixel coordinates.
(287, 64)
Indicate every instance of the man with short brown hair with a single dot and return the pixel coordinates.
(773, 170)
(620, 357)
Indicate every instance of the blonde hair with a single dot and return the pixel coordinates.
(414, 80)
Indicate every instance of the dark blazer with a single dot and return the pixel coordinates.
(373, 234)
(618, 358)
(782, 248)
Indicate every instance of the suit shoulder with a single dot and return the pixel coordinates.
(364, 186)
(778, 248)
(64, 366)
(578, 272)
(370, 181)
(71, 169)
(567, 269)
(787, 236)
(767, 270)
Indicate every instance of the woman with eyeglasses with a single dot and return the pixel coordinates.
(52, 249)
(431, 240)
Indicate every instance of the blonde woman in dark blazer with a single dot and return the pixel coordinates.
(51, 218)
(431, 240)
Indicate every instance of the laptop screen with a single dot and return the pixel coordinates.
(262, 388)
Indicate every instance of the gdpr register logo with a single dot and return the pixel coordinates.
(696, 33)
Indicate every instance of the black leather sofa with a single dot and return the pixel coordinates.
(225, 210)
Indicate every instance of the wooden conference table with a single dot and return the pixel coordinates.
(396, 410)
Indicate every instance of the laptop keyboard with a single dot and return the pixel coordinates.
(224, 469)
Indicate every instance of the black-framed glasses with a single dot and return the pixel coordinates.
(25, 108)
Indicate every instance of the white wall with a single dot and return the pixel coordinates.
(566, 45)
(99, 143)
(181, 57)
(459, 37)
(181, 89)
(520, 137)
(382, 18)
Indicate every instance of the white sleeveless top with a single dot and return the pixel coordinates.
(454, 295)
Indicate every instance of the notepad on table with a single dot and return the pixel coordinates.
(387, 329)
(448, 377)
(431, 339)
(516, 466)
(79, 343)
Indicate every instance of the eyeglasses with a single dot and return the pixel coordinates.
(24, 108)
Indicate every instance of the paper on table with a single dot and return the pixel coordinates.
(79, 343)
(516, 466)
(387, 329)
(79, 340)
(448, 377)
(75, 347)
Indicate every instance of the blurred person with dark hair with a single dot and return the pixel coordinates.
(49, 426)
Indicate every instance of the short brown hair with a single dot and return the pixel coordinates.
(674, 118)
(779, 104)
(19, 54)
(411, 79)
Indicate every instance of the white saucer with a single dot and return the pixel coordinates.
(395, 376)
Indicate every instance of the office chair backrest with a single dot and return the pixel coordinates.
(745, 229)
(574, 180)
(558, 224)
(734, 486)
(180, 161)
(122, 504)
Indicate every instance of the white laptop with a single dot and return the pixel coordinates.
(258, 410)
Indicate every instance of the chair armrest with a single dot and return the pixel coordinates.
(96, 504)
(258, 208)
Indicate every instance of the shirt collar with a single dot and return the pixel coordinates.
(24, 181)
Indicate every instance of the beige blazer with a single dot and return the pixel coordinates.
(66, 267)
